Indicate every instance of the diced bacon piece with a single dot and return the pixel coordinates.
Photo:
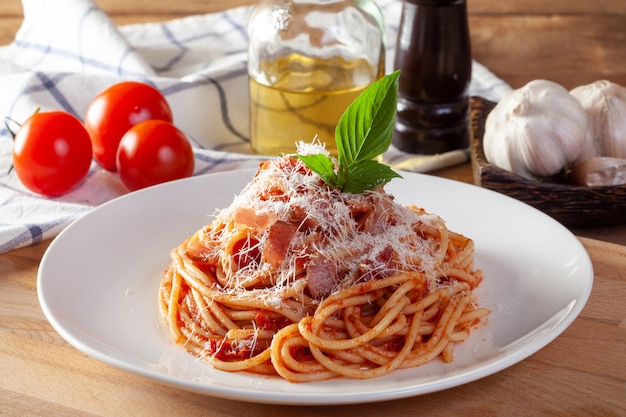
(382, 265)
(279, 239)
(362, 212)
(203, 257)
(198, 250)
(263, 165)
(299, 215)
(385, 214)
(249, 217)
(321, 274)
(359, 207)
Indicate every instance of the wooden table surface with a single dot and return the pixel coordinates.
(581, 373)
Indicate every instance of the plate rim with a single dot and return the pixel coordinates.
(242, 394)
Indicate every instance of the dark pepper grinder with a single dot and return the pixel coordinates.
(433, 51)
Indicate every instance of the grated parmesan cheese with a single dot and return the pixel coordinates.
(331, 224)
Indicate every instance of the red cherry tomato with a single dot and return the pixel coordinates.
(153, 152)
(51, 153)
(117, 109)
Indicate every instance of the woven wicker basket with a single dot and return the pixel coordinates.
(569, 204)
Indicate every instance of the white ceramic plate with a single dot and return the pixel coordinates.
(99, 279)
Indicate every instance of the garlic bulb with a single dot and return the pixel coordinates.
(605, 105)
(537, 130)
(600, 171)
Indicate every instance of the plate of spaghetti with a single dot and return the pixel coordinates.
(270, 286)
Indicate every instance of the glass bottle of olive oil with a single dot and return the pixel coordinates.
(308, 60)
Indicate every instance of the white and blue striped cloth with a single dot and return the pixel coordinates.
(67, 51)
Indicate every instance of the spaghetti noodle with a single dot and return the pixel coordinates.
(302, 280)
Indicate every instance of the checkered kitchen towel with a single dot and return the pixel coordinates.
(67, 51)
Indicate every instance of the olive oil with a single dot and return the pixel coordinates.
(302, 98)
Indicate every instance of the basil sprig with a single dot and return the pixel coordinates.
(364, 132)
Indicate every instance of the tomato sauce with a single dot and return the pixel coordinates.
(246, 252)
(265, 322)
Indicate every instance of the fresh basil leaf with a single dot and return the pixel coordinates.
(364, 131)
(323, 166)
(366, 128)
(368, 175)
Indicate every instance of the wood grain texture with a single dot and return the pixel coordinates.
(581, 373)
(569, 49)
(570, 42)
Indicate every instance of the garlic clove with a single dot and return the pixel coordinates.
(604, 103)
(536, 131)
(598, 171)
